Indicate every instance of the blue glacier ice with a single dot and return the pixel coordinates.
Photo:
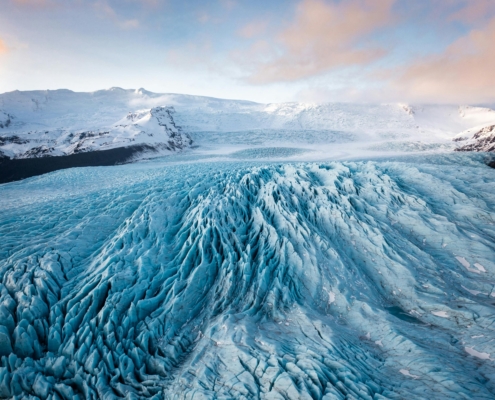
(170, 279)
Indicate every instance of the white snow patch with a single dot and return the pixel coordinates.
(441, 314)
(464, 262)
(480, 267)
(473, 292)
(407, 373)
(467, 265)
(56, 119)
(472, 352)
(331, 297)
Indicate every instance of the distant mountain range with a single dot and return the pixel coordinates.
(62, 122)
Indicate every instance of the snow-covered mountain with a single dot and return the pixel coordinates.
(481, 140)
(53, 123)
(61, 122)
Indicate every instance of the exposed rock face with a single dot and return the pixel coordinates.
(483, 140)
(5, 120)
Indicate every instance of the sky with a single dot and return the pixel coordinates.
(414, 51)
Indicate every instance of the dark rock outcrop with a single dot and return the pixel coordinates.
(483, 140)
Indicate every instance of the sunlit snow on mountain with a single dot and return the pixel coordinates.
(62, 122)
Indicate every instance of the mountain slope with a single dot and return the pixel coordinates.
(481, 140)
(53, 123)
(61, 122)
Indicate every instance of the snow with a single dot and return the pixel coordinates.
(479, 267)
(477, 354)
(441, 314)
(464, 262)
(481, 138)
(40, 123)
(62, 122)
(408, 374)
(473, 292)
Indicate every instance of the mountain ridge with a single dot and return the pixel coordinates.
(63, 122)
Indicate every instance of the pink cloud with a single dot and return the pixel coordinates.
(228, 4)
(3, 47)
(204, 17)
(253, 29)
(33, 2)
(104, 10)
(324, 36)
(473, 11)
(41, 4)
(464, 72)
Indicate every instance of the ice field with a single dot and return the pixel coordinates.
(237, 277)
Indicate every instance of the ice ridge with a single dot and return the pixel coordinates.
(276, 281)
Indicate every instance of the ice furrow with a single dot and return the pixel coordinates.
(240, 281)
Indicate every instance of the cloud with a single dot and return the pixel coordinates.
(472, 11)
(463, 73)
(191, 55)
(3, 47)
(150, 3)
(204, 17)
(197, 57)
(324, 36)
(253, 29)
(34, 2)
(228, 4)
(128, 24)
(39, 4)
(104, 10)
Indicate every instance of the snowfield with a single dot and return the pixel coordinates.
(44, 123)
(172, 279)
(62, 122)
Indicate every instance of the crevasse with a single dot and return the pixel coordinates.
(230, 280)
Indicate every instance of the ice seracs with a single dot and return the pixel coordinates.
(240, 280)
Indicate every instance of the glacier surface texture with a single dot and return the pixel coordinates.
(250, 279)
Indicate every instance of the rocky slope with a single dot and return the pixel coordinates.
(482, 140)
(39, 124)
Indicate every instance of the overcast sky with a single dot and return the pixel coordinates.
(266, 51)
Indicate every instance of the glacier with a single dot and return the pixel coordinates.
(245, 277)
